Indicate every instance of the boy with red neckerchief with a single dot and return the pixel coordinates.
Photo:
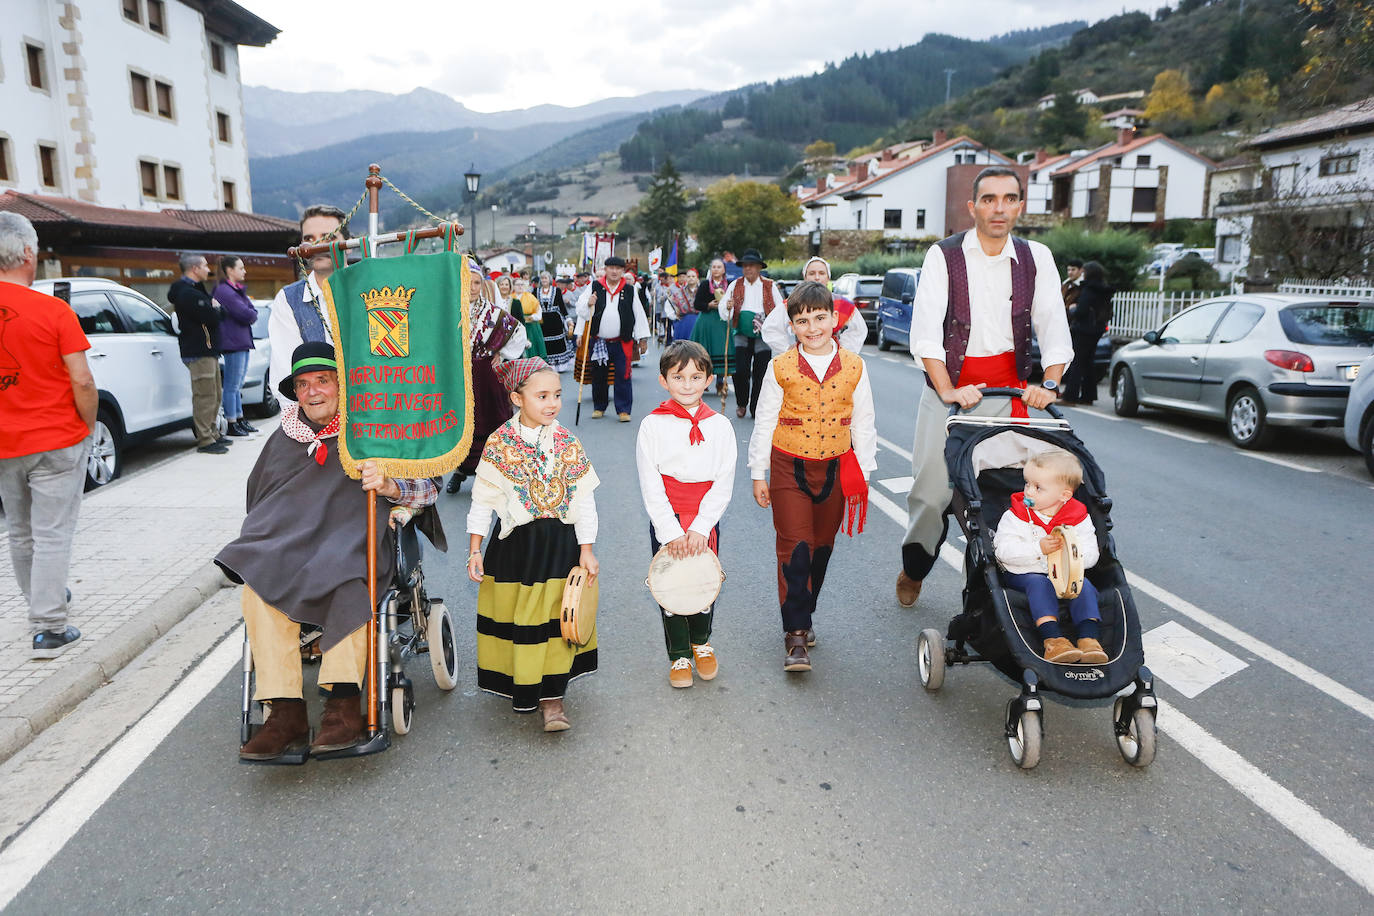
(686, 454)
(1025, 537)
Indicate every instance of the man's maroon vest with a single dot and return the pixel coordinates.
(958, 318)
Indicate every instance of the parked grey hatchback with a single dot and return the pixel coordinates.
(1257, 361)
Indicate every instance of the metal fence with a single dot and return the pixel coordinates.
(1134, 313)
(1333, 288)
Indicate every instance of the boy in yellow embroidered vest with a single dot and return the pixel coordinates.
(815, 432)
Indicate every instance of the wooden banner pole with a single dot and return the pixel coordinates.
(374, 186)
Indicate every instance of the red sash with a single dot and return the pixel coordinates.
(995, 372)
(685, 498)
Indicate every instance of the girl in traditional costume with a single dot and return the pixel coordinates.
(710, 330)
(535, 476)
(525, 307)
(557, 344)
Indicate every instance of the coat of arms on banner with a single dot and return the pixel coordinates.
(388, 320)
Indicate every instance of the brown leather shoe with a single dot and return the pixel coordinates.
(705, 658)
(908, 590)
(1061, 652)
(680, 673)
(285, 727)
(1092, 652)
(341, 725)
(811, 639)
(797, 657)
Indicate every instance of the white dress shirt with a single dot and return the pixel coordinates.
(989, 293)
(610, 316)
(479, 514)
(662, 449)
(777, 332)
(284, 334)
(863, 431)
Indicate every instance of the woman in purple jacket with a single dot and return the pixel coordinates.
(236, 338)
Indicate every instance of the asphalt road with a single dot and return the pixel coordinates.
(848, 788)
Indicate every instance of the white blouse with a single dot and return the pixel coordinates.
(662, 450)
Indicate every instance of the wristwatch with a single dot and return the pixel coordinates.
(1051, 386)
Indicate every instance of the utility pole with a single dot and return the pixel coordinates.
(949, 75)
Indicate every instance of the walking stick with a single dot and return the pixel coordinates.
(725, 373)
(580, 368)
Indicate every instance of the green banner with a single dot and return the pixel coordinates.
(403, 341)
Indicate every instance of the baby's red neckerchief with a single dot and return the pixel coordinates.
(1071, 513)
(298, 430)
(674, 409)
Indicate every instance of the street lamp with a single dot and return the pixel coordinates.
(532, 228)
(473, 178)
(493, 225)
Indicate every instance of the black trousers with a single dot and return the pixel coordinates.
(1080, 381)
(750, 366)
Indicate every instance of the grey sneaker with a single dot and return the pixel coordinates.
(50, 643)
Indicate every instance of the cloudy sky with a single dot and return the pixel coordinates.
(564, 53)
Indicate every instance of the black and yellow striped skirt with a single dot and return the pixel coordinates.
(520, 651)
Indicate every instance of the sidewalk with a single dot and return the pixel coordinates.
(140, 563)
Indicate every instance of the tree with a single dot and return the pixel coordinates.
(1169, 106)
(663, 211)
(820, 149)
(1340, 45)
(1066, 119)
(745, 214)
(1315, 232)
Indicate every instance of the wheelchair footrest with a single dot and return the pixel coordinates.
(374, 745)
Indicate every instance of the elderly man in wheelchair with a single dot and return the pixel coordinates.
(302, 559)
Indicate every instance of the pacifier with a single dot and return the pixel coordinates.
(1029, 502)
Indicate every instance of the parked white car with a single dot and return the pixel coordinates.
(259, 397)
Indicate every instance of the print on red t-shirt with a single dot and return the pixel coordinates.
(37, 407)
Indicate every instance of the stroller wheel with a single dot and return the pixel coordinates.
(1025, 744)
(402, 709)
(930, 659)
(443, 646)
(1137, 743)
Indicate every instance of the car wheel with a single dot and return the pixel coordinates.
(1367, 444)
(883, 342)
(1245, 419)
(1124, 400)
(107, 450)
(270, 406)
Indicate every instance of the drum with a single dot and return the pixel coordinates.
(577, 622)
(685, 586)
(582, 365)
(1066, 565)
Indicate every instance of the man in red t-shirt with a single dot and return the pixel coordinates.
(47, 411)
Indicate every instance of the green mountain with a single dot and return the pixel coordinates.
(849, 104)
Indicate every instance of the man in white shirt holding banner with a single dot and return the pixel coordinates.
(982, 293)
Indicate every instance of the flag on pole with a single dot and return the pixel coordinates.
(672, 259)
(655, 258)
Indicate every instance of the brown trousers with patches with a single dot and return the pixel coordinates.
(808, 507)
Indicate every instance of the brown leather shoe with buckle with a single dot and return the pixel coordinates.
(908, 590)
(341, 725)
(285, 727)
(797, 657)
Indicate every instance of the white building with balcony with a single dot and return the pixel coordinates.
(1137, 180)
(133, 104)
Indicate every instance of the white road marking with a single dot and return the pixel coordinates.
(1186, 661)
(1282, 462)
(1313, 678)
(897, 484)
(1092, 413)
(1171, 433)
(1325, 837)
(894, 447)
(44, 838)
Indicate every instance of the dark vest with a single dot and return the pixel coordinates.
(958, 317)
(625, 307)
(307, 319)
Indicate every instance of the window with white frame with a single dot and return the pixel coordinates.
(36, 65)
(1341, 164)
(47, 165)
(6, 162)
(892, 219)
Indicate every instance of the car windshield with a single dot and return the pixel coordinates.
(1329, 324)
(870, 288)
(260, 326)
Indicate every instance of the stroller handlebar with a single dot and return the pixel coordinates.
(1009, 394)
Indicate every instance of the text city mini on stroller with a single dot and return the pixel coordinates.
(985, 456)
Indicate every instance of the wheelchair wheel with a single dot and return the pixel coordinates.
(1025, 744)
(443, 646)
(930, 659)
(402, 710)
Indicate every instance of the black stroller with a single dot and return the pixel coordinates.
(985, 456)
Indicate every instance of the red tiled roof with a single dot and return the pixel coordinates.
(917, 160)
(43, 209)
(231, 222)
(1118, 149)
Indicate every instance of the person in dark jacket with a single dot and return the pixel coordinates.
(235, 338)
(1087, 323)
(198, 320)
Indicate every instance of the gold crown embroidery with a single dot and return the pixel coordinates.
(388, 320)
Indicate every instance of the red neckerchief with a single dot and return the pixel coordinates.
(610, 293)
(674, 409)
(1070, 514)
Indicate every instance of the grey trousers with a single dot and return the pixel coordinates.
(207, 391)
(42, 496)
(927, 505)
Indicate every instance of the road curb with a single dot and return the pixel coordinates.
(26, 718)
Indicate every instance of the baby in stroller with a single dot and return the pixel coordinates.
(1025, 538)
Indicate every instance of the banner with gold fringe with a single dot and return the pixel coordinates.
(403, 343)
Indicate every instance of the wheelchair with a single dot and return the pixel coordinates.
(409, 624)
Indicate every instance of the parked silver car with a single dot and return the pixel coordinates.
(145, 388)
(1255, 360)
(1359, 413)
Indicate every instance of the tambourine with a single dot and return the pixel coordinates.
(577, 621)
(685, 586)
(1066, 564)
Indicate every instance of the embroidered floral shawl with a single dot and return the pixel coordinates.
(551, 478)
